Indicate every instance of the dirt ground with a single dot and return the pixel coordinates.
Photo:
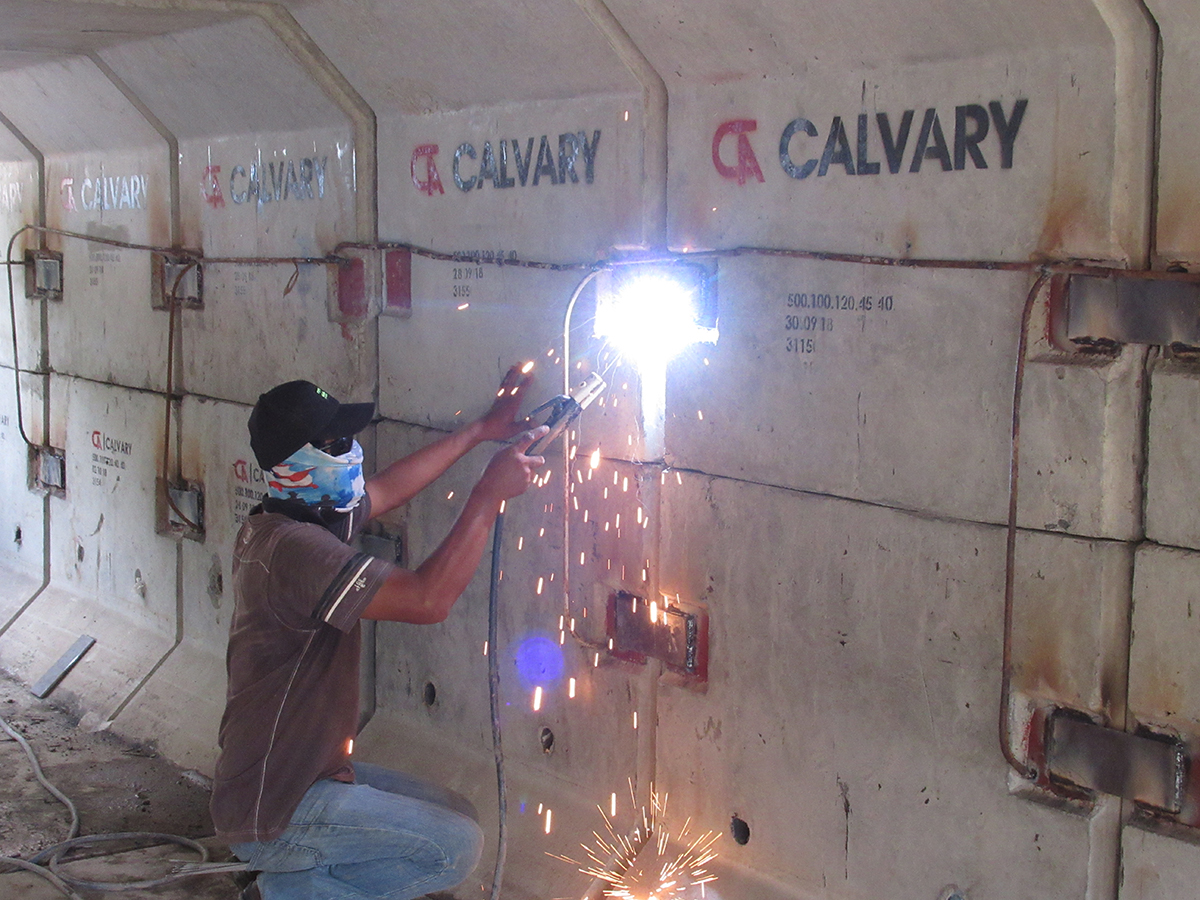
(117, 787)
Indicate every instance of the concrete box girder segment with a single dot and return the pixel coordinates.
(35, 28)
(322, 72)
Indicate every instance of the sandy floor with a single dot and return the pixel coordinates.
(116, 786)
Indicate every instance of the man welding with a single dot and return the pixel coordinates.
(286, 796)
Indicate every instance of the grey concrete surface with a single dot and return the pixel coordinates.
(116, 786)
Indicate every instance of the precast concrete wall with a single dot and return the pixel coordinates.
(889, 590)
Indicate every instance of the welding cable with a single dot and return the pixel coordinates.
(493, 655)
(41, 872)
(30, 865)
(40, 776)
(493, 629)
(48, 863)
(494, 700)
(1010, 543)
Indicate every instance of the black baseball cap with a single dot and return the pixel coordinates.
(291, 415)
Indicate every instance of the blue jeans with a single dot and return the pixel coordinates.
(388, 836)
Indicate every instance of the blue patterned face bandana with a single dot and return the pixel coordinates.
(319, 479)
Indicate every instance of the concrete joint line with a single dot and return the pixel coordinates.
(926, 515)
(654, 119)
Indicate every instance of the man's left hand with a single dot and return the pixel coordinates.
(500, 422)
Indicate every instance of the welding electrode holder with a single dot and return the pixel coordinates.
(565, 408)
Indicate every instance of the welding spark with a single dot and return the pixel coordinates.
(651, 864)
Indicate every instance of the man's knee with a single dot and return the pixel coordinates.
(464, 855)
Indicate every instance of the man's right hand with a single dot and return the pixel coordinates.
(510, 471)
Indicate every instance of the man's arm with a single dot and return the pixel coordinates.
(405, 478)
(425, 595)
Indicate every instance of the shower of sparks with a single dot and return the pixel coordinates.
(649, 865)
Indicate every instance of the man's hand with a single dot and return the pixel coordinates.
(426, 595)
(400, 482)
(500, 422)
(510, 471)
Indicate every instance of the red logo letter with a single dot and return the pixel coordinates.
(747, 163)
(210, 187)
(96, 439)
(240, 470)
(433, 181)
(67, 189)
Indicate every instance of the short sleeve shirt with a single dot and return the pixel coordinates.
(293, 664)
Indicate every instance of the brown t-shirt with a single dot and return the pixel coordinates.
(293, 662)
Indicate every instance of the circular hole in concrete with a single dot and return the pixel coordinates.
(546, 739)
(17, 536)
(430, 694)
(740, 830)
(79, 552)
